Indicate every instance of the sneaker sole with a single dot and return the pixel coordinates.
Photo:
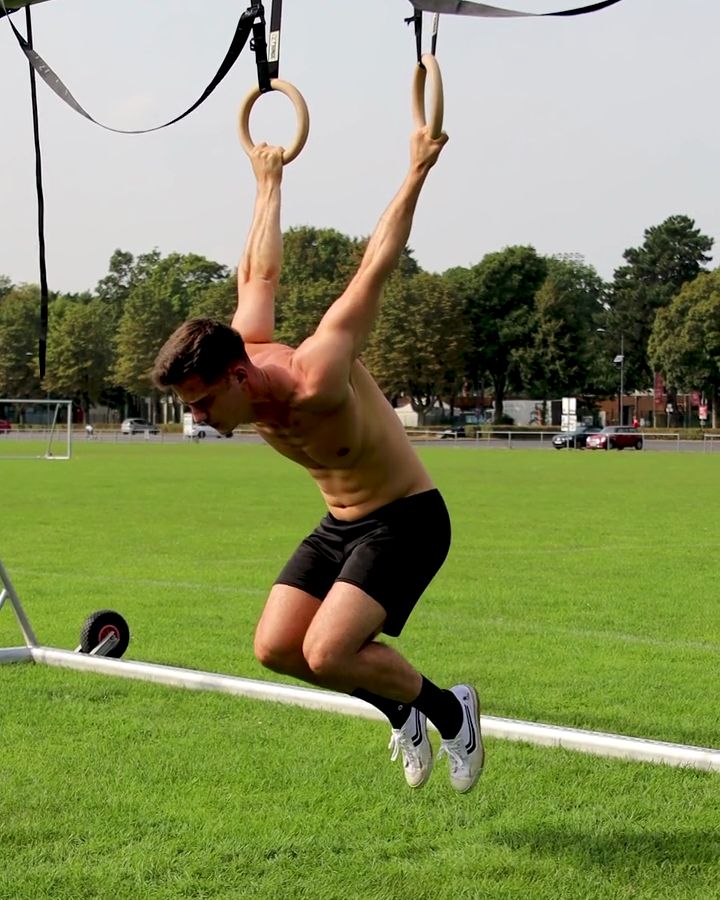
(476, 710)
(431, 762)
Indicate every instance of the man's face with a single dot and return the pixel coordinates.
(222, 404)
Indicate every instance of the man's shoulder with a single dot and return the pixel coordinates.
(270, 352)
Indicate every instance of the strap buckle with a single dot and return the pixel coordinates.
(416, 19)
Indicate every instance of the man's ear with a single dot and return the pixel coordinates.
(238, 372)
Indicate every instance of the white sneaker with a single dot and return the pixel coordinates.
(412, 741)
(465, 752)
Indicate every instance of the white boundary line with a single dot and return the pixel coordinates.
(597, 743)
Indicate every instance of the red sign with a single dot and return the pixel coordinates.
(703, 412)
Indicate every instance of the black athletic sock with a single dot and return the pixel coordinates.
(442, 708)
(395, 711)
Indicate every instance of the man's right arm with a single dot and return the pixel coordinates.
(259, 268)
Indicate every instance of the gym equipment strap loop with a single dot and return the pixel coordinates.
(53, 81)
(267, 56)
(470, 8)
(416, 20)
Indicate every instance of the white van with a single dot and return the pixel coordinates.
(197, 432)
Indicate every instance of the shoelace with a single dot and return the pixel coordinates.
(399, 741)
(454, 750)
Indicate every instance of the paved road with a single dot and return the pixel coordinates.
(509, 440)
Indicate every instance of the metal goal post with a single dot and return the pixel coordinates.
(35, 429)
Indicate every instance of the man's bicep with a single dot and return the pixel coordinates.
(254, 316)
(323, 363)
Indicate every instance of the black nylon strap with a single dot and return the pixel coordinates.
(44, 292)
(417, 21)
(468, 8)
(433, 40)
(258, 45)
(274, 44)
(242, 32)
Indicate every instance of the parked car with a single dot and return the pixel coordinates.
(198, 431)
(457, 431)
(615, 437)
(574, 439)
(5, 426)
(474, 417)
(138, 426)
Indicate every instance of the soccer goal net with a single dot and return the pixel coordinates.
(35, 429)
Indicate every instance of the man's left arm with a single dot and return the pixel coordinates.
(326, 357)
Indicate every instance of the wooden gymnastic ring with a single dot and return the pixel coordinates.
(301, 110)
(429, 66)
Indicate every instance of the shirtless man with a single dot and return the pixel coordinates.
(349, 580)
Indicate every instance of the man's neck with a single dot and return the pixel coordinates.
(272, 389)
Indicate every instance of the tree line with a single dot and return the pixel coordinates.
(516, 322)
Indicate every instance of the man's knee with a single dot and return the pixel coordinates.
(326, 661)
(278, 657)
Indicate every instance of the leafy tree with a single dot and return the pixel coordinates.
(673, 254)
(5, 286)
(19, 329)
(183, 276)
(561, 358)
(79, 351)
(317, 266)
(147, 321)
(499, 297)
(416, 347)
(300, 308)
(217, 301)
(685, 340)
(315, 254)
(125, 272)
(147, 297)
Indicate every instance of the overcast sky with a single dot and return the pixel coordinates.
(573, 135)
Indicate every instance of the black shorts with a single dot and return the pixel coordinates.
(391, 554)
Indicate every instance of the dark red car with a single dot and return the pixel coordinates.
(5, 426)
(615, 437)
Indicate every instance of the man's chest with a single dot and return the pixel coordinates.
(316, 441)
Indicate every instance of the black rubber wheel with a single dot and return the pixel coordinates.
(99, 625)
(639, 445)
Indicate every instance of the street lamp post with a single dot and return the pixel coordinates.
(620, 359)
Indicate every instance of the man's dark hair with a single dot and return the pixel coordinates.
(203, 347)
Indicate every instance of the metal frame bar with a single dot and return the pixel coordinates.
(593, 742)
(10, 592)
(52, 429)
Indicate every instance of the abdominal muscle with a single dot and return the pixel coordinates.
(358, 454)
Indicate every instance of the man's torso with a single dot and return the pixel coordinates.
(357, 452)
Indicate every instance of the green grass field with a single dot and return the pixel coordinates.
(580, 590)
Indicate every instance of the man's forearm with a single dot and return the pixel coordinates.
(263, 251)
(393, 229)
(259, 268)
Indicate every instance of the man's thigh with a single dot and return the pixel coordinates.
(347, 619)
